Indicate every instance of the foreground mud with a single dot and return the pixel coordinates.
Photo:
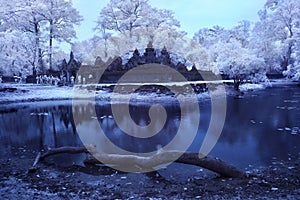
(49, 181)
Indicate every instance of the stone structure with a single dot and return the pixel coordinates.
(68, 71)
(118, 67)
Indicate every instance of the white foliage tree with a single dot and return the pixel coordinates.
(263, 44)
(40, 21)
(131, 24)
(87, 51)
(239, 63)
(61, 16)
(136, 19)
(230, 53)
(15, 56)
(210, 36)
(242, 32)
(24, 16)
(127, 15)
(119, 44)
(280, 20)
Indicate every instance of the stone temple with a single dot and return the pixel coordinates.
(118, 66)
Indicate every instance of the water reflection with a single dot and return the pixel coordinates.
(36, 126)
(252, 129)
(258, 127)
(139, 113)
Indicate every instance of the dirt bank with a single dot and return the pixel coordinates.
(49, 181)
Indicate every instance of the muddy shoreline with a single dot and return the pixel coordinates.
(50, 181)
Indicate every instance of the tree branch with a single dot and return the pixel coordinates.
(162, 157)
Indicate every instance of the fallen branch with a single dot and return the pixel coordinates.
(163, 157)
(213, 164)
(36, 160)
(59, 150)
(54, 151)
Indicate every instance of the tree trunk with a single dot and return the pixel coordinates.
(213, 164)
(36, 32)
(37, 50)
(236, 83)
(50, 45)
(40, 61)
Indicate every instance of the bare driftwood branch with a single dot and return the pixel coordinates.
(37, 159)
(54, 151)
(210, 163)
(163, 157)
(59, 150)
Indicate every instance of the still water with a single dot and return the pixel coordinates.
(261, 126)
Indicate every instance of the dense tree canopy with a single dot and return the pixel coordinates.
(61, 17)
(35, 22)
(272, 43)
(245, 51)
(238, 62)
(130, 24)
(127, 15)
(277, 35)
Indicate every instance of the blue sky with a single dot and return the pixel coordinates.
(192, 14)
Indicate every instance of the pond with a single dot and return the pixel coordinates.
(261, 126)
